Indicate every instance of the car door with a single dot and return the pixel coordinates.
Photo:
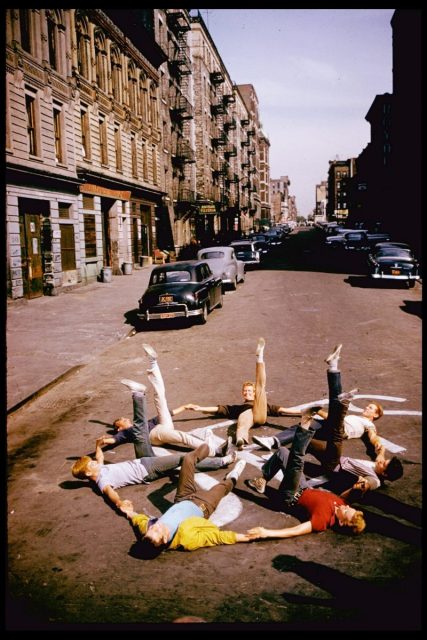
(209, 282)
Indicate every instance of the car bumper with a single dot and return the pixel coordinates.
(388, 276)
(167, 315)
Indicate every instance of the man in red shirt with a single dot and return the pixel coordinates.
(322, 508)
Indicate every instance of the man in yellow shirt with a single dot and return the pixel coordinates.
(186, 524)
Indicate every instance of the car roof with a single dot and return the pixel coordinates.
(177, 266)
(214, 248)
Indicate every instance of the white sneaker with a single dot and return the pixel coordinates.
(235, 473)
(335, 355)
(209, 440)
(133, 386)
(229, 459)
(150, 351)
(260, 346)
(268, 443)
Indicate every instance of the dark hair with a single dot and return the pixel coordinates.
(394, 469)
(145, 550)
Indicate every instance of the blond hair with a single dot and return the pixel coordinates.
(248, 383)
(80, 466)
(358, 523)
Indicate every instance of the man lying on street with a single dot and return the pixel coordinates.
(145, 469)
(186, 524)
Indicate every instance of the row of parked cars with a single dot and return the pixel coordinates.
(192, 288)
(387, 260)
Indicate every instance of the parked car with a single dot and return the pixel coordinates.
(356, 239)
(224, 264)
(246, 251)
(181, 290)
(394, 263)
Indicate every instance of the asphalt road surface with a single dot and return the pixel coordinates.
(70, 562)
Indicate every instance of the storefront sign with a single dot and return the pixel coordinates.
(97, 190)
(207, 208)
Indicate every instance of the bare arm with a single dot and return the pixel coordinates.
(243, 537)
(289, 532)
(197, 407)
(178, 410)
(289, 411)
(106, 439)
(112, 495)
(375, 440)
(99, 455)
(361, 485)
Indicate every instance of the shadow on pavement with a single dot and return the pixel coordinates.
(392, 604)
(413, 307)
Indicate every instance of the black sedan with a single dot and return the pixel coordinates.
(181, 290)
(394, 263)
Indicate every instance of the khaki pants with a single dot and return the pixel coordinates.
(258, 414)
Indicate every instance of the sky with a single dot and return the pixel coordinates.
(316, 73)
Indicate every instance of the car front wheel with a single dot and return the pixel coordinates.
(203, 318)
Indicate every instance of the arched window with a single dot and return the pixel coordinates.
(116, 74)
(83, 45)
(132, 87)
(100, 60)
(54, 25)
(143, 97)
(25, 29)
(154, 115)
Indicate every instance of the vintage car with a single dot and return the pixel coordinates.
(224, 264)
(246, 251)
(185, 289)
(394, 263)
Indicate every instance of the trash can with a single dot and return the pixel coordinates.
(107, 274)
(127, 268)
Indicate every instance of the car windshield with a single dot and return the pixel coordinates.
(394, 252)
(209, 255)
(170, 276)
(242, 247)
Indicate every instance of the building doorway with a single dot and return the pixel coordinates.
(30, 214)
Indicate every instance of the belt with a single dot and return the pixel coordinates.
(204, 508)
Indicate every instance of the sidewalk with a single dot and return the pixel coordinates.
(49, 336)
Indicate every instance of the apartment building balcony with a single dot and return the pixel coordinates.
(244, 122)
(184, 153)
(219, 168)
(180, 107)
(218, 108)
(217, 77)
(219, 142)
(179, 63)
(252, 151)
(251, 132)
(245, 143)
(184, 195)
(229, 124)
(233, 178)
(245, 165)
(178, 20)
(229, 98)
(230, 151)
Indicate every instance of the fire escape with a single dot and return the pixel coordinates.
(181, 110)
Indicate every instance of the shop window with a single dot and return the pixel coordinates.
(90, 235)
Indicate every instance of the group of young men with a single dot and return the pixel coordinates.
(186, 524)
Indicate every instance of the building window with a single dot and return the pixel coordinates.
(88, 202)
(132, 87)
(103, 150)
(68, 250)
(154, 151)
(52, 42)
(118, 147)
(144, 162)
(100, 59)
(57, 125)
(134, 156)
(116, 74)
(30, 105)
(85, 129)
(25, 29)
(90, 235)
(143, 98)
(64, 209)
(83, 46)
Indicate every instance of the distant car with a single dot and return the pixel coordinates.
(246, 251)
(390, 243)
(394, 263)
(356, 239)
(224, 264)
(185, 289)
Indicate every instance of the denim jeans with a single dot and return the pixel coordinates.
(291, 462)
(159, 466)
(140, 429)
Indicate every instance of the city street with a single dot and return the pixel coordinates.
(70, 561)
